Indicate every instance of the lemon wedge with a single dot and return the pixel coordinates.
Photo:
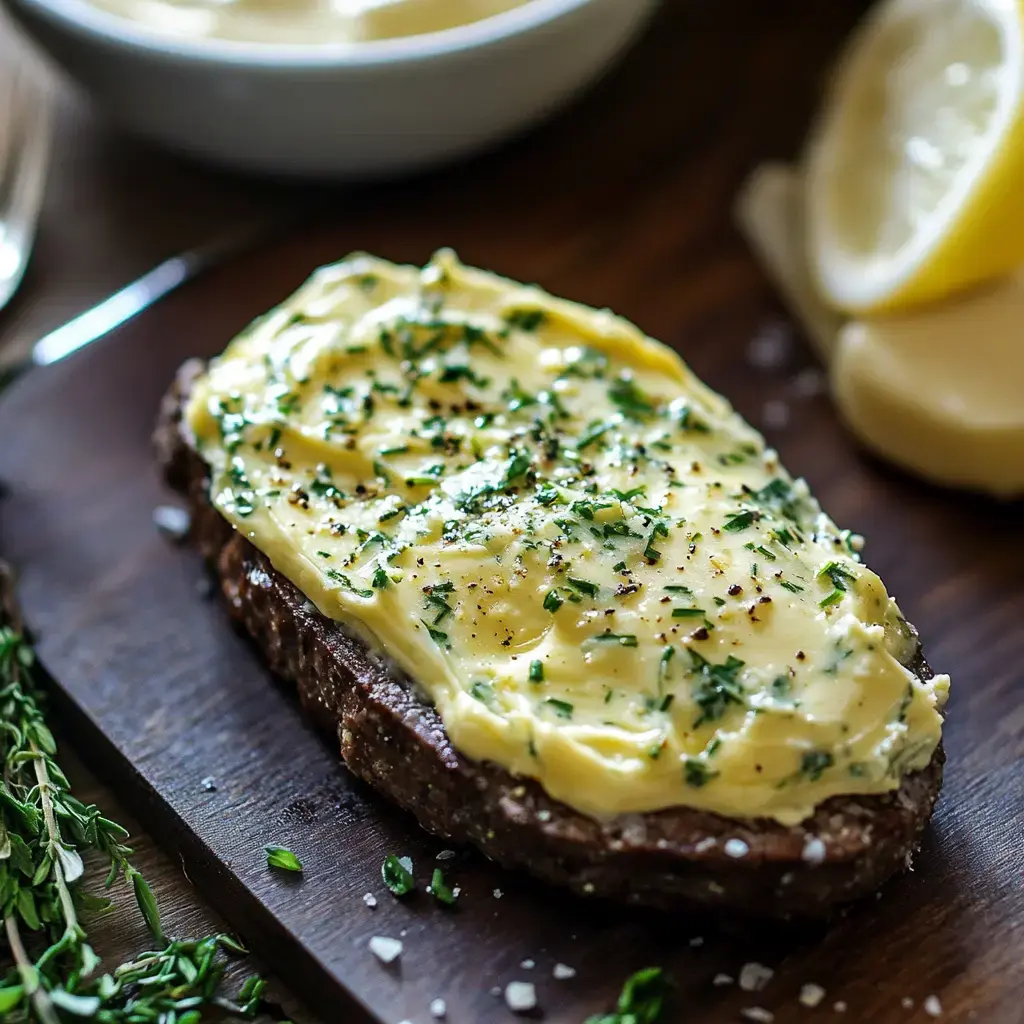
(914, 170)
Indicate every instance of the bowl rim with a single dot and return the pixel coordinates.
(86, 19)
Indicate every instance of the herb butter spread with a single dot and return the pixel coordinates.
(582, 555)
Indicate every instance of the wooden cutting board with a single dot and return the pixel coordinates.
(624, 202)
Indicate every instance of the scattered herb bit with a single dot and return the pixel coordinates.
(281, 858)
(536, 671)
(439, 636)
(562, 708)
(689, 420)
(346, 583)
(781, 686)
(641, 1002)
(380, 578)
(525, 319)
(552, 601)
(716, 687)
(629, 495)
(622, 639)
(440, 889)
(688, 613)
(585, 587)
(837, 574)
(738, 521)
(630, 399)
(793, 588)
(839, 577)
(397, 874)
(697, 773)
(814, 763)
(667, 654)
(483, 692)
(651, 553)
(592, 435)
(678, 588)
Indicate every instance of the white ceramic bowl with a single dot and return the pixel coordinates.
(376, 108)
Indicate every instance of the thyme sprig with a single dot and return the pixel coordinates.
(44, 830)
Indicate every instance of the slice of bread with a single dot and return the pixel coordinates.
(394, 739)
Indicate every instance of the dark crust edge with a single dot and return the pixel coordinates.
(671, 859)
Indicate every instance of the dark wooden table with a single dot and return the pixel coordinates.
(623, 201)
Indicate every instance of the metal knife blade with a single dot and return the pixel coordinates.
(142, 293)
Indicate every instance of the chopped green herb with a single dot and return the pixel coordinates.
(562, 708)
(629, 495)
(346, 583)
(837, 574)
(526, 319)
(281, 858)
(814, 763)
(622, 639)
(716, 687)
(380, 578)
(793, 588)
(397, 874)
(678, 588)
(483, 692)
(630, 399)
(651, 553)
(437, 635)
(642, 1000)
(667, 654)
(536, 671)
(552, 601)
(440, 889)
(688, 613)
(737, 521)
(585, 587)
(696, 773)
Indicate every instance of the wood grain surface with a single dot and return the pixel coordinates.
(622, 202)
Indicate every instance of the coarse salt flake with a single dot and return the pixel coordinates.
(520, 996)
(932, 1006)
(384, 949)
(811, 995)
(563, 972)
(754, 976)
(813, 851)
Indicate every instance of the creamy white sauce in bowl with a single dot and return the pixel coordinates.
(342, 110)
(304, 22)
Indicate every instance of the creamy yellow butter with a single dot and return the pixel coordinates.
(582, 555)
(305, 21)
